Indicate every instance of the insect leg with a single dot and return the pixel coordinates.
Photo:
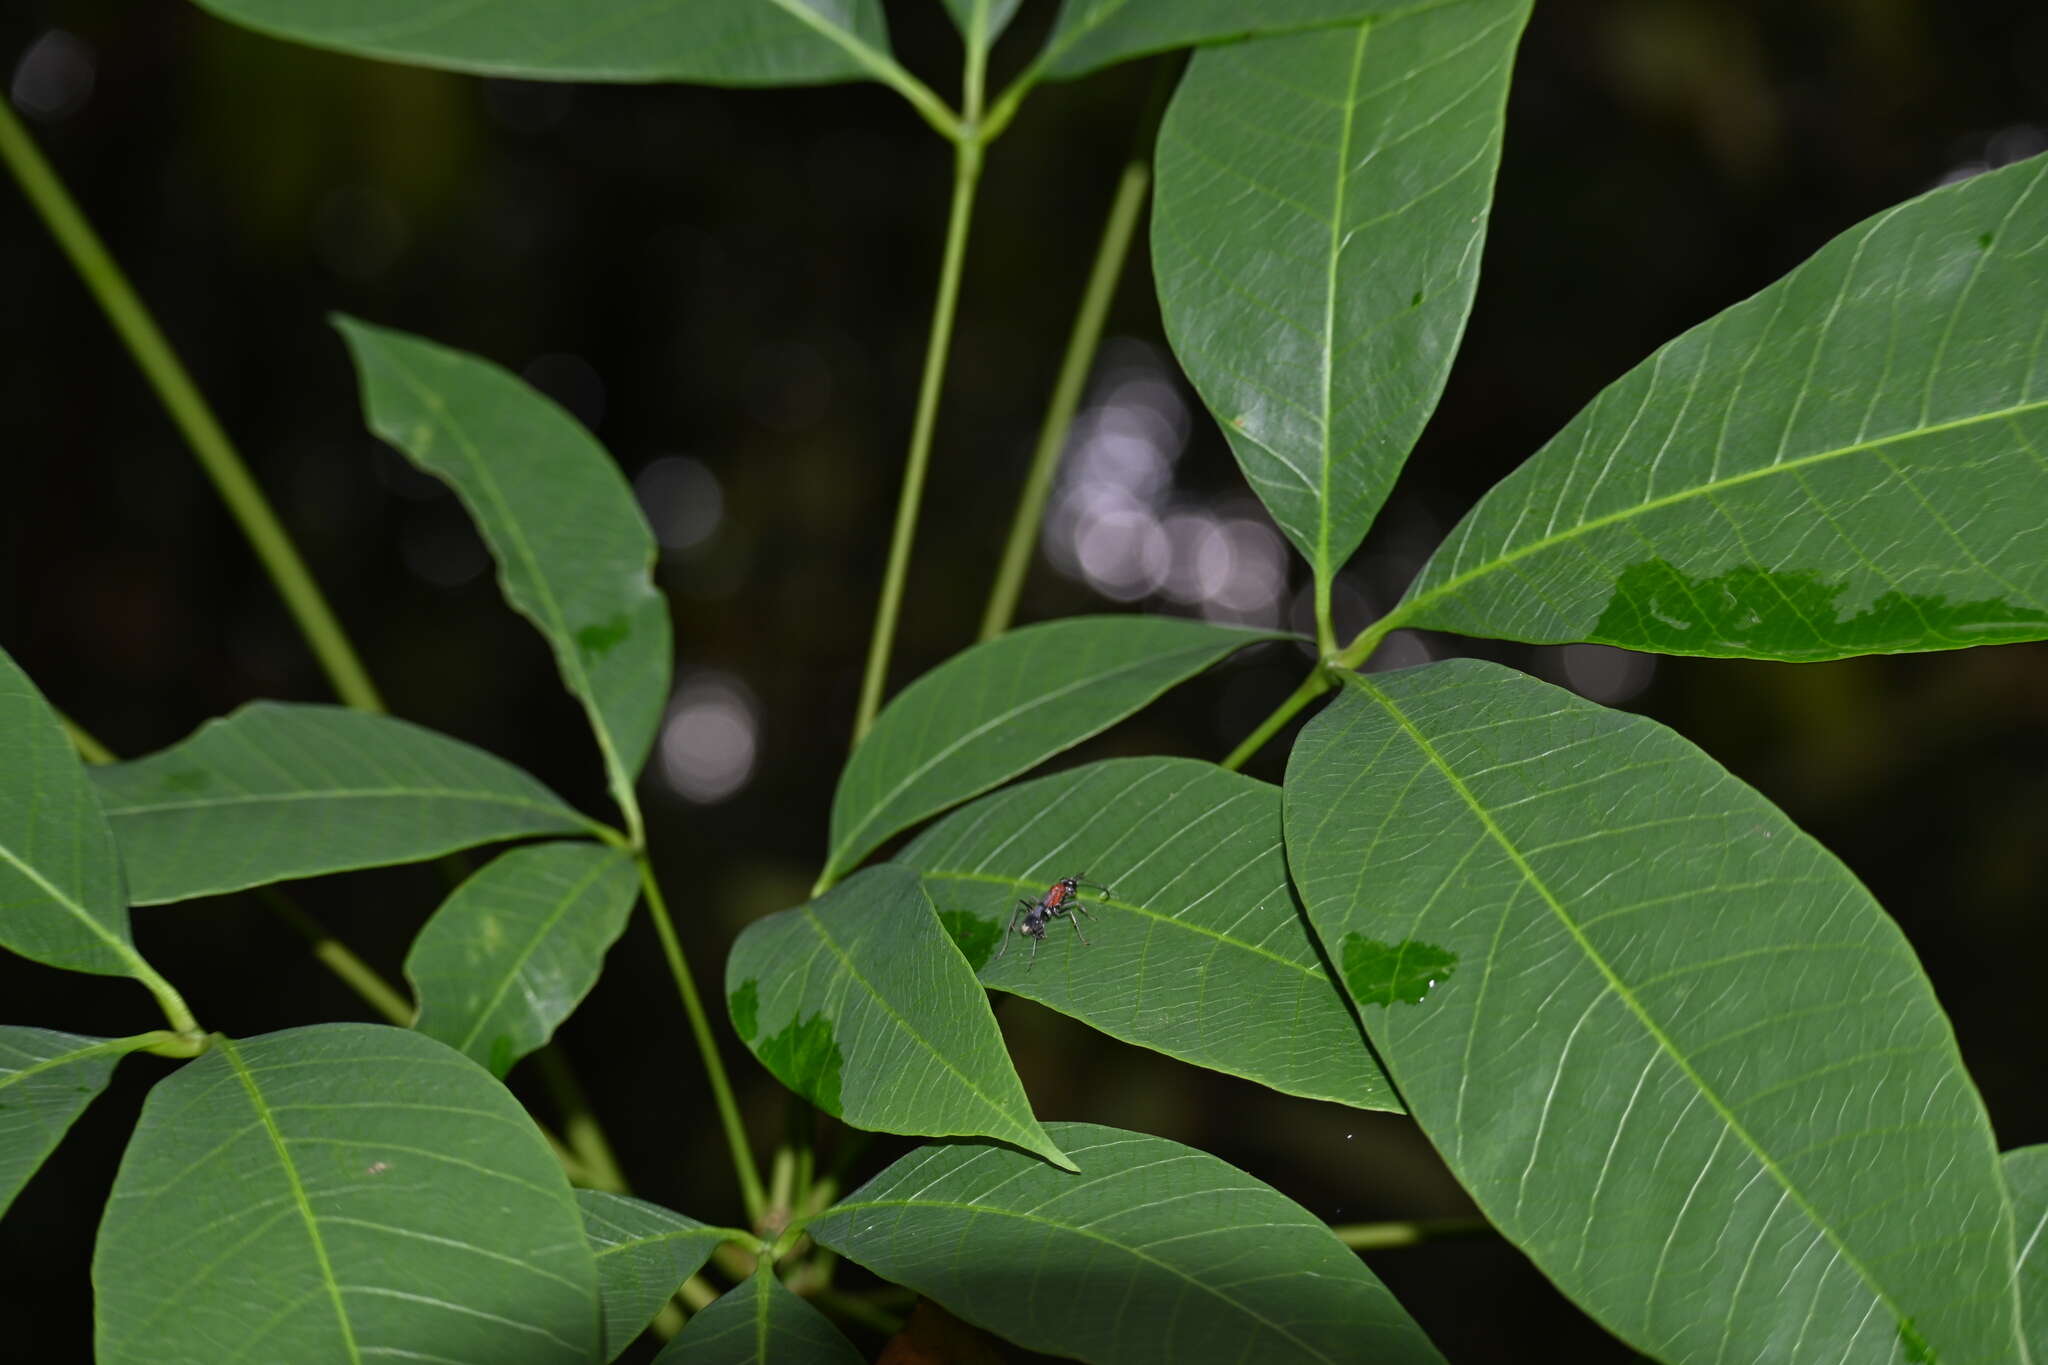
(1006, 932)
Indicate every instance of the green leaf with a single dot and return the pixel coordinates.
(2026, 1179)
(341, 1192)
(995, 17)
(644, 1252)
(276, 791)
(1672, 1047)
(574, 553)
(1854, 461)
(46, 1080)
(513, 951)
(1156, 1252)
(1322, 201)
(1091, 34)
(1201, 951)
(1002, 707)
(759, 1322)
(62, 900)
(860, 1003)
(719, 42)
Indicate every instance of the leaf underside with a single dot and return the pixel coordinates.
(1673, 1049)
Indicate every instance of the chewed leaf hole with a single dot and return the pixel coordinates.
(1394, 973)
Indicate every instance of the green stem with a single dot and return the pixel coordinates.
(89, 749)
(1383, 1236)
(188, 411)
(966, 171)
(1313, 686)
(580, 1128)
(707, 1046)
(358, 975)
(1082, 342)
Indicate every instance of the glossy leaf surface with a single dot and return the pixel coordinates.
(1002, 707)
(860, 1003)
(1091, 34)
(341, 1192)
(276, 791)
(574, 553)
(62, 898)
(644, 1253)
(518, 945)
(46, 1080)
(1200, 951)
(1323, 197)
(2026, 1178)
(1672, 1047)
(759, 1322)
(719, 42)
(1854, 461)
(1154, 1253)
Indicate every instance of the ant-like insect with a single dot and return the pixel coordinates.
(1032, 916)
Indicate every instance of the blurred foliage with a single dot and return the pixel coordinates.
(743, 277)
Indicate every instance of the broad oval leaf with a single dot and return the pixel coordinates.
(340, 1192)
(1200, 951)
(516, 947)
(1854, 461)
(62, 899)
(1156, 1252)
(1322, 201)
(719, 42)
(1004, 706)
(1091, 34)
(46, 1080)
(2026, 1179)
(759, 1322)
(574, 553)
(1672, 1047)
(644, 1253)
(276, 791)
(860, 1003)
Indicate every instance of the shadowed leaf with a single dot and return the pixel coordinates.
(644, 1253)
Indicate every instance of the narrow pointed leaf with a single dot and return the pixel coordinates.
(277, 791)
(1154, 1253)
(989, 17)
(46, 1080)
(644, 1253)
(2026, 1178)
(759, 1323)
(1091, 34)
(513, 951)
(860, 1003)
(1854, 461)
(62, 898)
(574, 553)
(1001, 708)
(719, 42)
(341, 1192)
(1672, 1047)
(1199, 951)
(1323, 197)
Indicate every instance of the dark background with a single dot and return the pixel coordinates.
(743, 278)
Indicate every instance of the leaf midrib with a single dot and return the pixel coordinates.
(1415, 606)
(298, 1189)
(1664, 1042)
(1040, 1143)
(600, 868)
(556, 624)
